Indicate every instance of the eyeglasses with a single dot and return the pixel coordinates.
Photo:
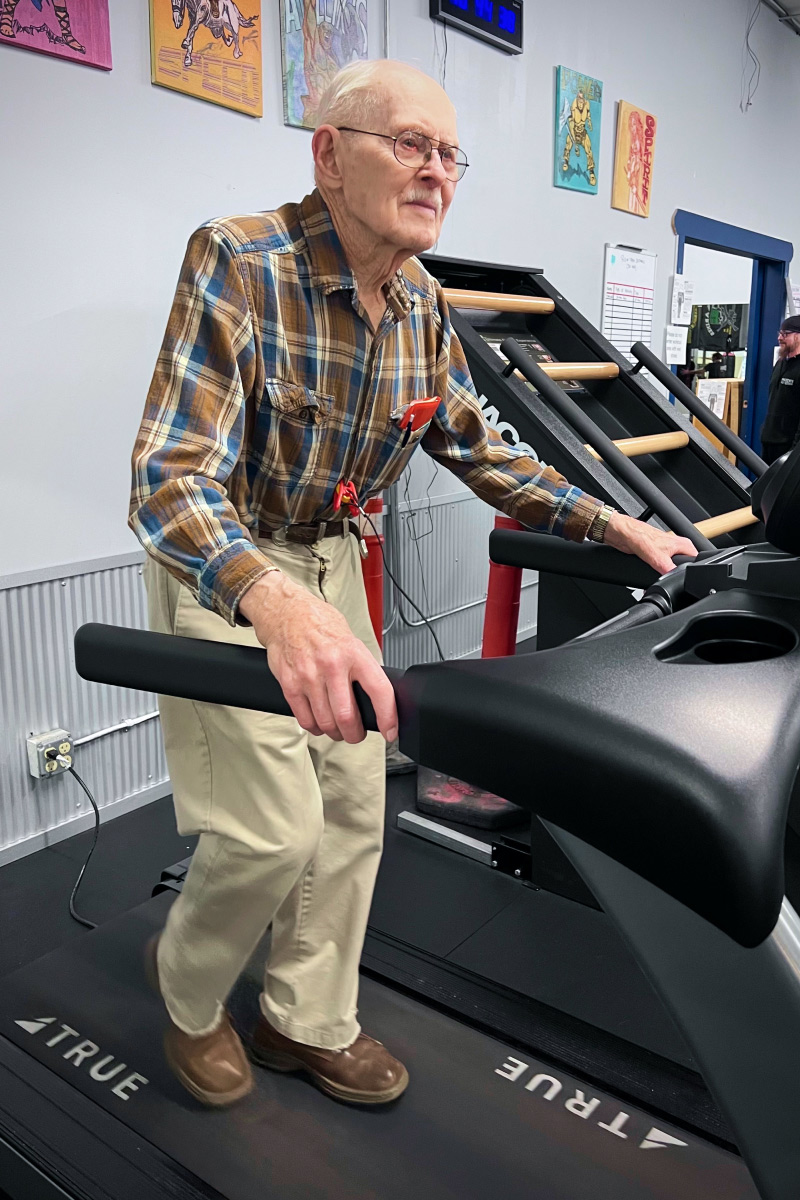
(415, 149)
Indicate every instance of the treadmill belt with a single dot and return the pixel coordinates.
(468, 1127)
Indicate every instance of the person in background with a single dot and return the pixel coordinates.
(781, 429)
(717, 368)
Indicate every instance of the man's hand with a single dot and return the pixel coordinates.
(316, 659)
(654, 546)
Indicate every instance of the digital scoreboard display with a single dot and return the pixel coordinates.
(496, 21)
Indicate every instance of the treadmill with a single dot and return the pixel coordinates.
(691, 700)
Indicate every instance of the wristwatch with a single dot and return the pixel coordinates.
(597, 533)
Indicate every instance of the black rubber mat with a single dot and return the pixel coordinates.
(469, 1126)
(431, 898)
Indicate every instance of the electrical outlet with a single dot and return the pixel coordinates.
(42, 751)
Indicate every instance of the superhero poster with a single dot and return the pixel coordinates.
(317, 38)
(73, 29)
(579, 105)
(210, 49)
(633, 161)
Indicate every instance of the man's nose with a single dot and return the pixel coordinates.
(434, 167)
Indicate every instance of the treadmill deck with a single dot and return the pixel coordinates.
(468, 1126)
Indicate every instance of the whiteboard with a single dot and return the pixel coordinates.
(629, 280)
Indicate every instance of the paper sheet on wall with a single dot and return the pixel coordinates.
(682, 300)
(792, 297)
(712, 393)
(676, 344)
(628, 288)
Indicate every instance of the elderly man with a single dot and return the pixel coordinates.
(296, 341)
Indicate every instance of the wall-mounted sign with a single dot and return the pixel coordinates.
(579, 104)
(496, 21)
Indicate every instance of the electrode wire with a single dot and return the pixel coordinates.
(402, 592)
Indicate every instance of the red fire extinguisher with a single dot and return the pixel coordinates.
(372, 563)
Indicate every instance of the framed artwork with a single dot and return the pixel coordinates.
(210, 49)
(73, 29)
(579, 107)
(633, 160)
(317, 38)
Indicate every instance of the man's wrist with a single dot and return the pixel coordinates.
(251, 600)
(599, 526)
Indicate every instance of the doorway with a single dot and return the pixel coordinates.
(770, 258)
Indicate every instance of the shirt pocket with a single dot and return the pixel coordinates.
(400, 445)
(290, 433)
(296, 403)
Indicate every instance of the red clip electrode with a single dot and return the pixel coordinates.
(346, 494)
(418, 413)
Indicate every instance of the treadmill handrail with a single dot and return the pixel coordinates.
(646, 358)
(629, 473)
(578, 560)
(193, 668)
(619, 756)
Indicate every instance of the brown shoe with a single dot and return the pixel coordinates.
(363, 1073)
(212, 1067)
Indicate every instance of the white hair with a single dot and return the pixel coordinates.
(355, 94)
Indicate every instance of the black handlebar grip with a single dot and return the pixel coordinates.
(211, 672)
(581, 560)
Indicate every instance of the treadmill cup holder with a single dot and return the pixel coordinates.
(720, 638)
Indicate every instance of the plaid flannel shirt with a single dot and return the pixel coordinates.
(271, 386)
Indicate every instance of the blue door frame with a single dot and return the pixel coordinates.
(771, 258)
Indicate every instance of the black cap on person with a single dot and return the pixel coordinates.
(791, 325)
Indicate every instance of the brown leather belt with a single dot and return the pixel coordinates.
(307, 535)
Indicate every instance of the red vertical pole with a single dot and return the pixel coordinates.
(502, 603)
(372, 565)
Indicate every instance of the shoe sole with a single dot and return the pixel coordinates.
(286, 1063)
(209, 1099)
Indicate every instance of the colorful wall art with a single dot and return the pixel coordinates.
(579, 105)
(73, 29)
(317, 38)
(210, 49)
(633, 161)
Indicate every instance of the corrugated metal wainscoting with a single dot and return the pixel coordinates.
(40, 690)
(438, 547)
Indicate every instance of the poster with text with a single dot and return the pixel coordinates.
(317, 38)
(73, 29)
(210, 49)
(579, 103)
(633, 161)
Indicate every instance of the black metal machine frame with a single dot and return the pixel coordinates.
(688, 485)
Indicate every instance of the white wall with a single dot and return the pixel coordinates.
(104, 177)
(718, 278)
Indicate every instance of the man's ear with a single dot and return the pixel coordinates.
(325, 146)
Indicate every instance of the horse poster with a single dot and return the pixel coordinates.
(73, 29)
(317, 38)
(210, 49)
(633, 161)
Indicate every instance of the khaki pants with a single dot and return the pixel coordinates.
(290, 825)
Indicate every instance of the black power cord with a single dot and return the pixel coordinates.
(403, 593)
(72, 912)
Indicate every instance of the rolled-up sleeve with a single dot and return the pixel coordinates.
(192, 432)
(508, 479)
